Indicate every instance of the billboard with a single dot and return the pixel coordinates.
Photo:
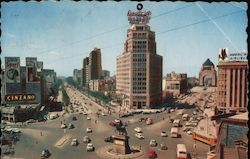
(17, 94)
(31, 63)
(39, 66)
(223, 55)
(12, 69)
(238, 56)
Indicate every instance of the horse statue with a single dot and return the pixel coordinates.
(121, 129)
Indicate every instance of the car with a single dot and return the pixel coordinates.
(163, 146)
(194, 112)
(30, 121)
(172, 110)
(144, 113)
(168, 110)
(153, 143)
(189, 132)
(74, 118)
(117, 120)
(71, 126)
(88, 130)
(16, 130)
(63, 126)
(112, 123)
(139, 135)
(45, 154)
(103, 114)
(86, 139)
(163, 134)
(152, 154)
(109, 139)
(74, 142)
(88, 118)
(84, 113)
(171, 120)
(41, 119)
(90, 147)
(138, 129)
(123, 115)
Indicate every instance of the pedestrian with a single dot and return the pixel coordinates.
(140, 147)
(41, 133)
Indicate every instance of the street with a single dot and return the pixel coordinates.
(38, 136)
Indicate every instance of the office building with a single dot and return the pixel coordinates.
(174, 84)
(139, 68)
(232, 84)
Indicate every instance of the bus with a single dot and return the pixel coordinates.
(210, 140)
(174, 132)
(176, 123)
(181, 151)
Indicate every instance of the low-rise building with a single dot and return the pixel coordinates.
(232, 140)
(174, 84)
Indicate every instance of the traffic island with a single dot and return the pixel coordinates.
(110, 152)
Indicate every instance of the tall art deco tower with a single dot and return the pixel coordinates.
(139, 68)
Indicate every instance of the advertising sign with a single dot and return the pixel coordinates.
(238, 56)
(20, 97)
(39, 66)
(12, 69)
(223, 55)
(31, 61)
(139, 17)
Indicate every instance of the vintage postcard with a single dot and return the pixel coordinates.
(124, 80)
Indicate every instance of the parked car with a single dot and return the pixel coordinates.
(90, 147)
(152, 154)
(189, 132)
(86, 139)
(163, 146)
(88, 130)
(30, 121)
(71, 126)
(74, 118)
(88, 118)
(45, 154)
(152, 143)
(139, 135)
(117, 120)
(138, 129)
(74, 142)
(63, 126)
(108, 139)
(163, 134)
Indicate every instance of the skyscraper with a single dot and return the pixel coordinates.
(139, 68)
(95, 64)
(92, 67)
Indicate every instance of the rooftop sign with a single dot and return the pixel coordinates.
(139, 17)
(238, 56)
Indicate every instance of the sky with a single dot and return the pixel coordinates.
(61, 34)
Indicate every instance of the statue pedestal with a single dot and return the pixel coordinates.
(121, 145)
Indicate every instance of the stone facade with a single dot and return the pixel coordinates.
(207, 75)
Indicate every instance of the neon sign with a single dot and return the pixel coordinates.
(139, 17)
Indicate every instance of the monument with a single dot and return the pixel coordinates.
(121, 140)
